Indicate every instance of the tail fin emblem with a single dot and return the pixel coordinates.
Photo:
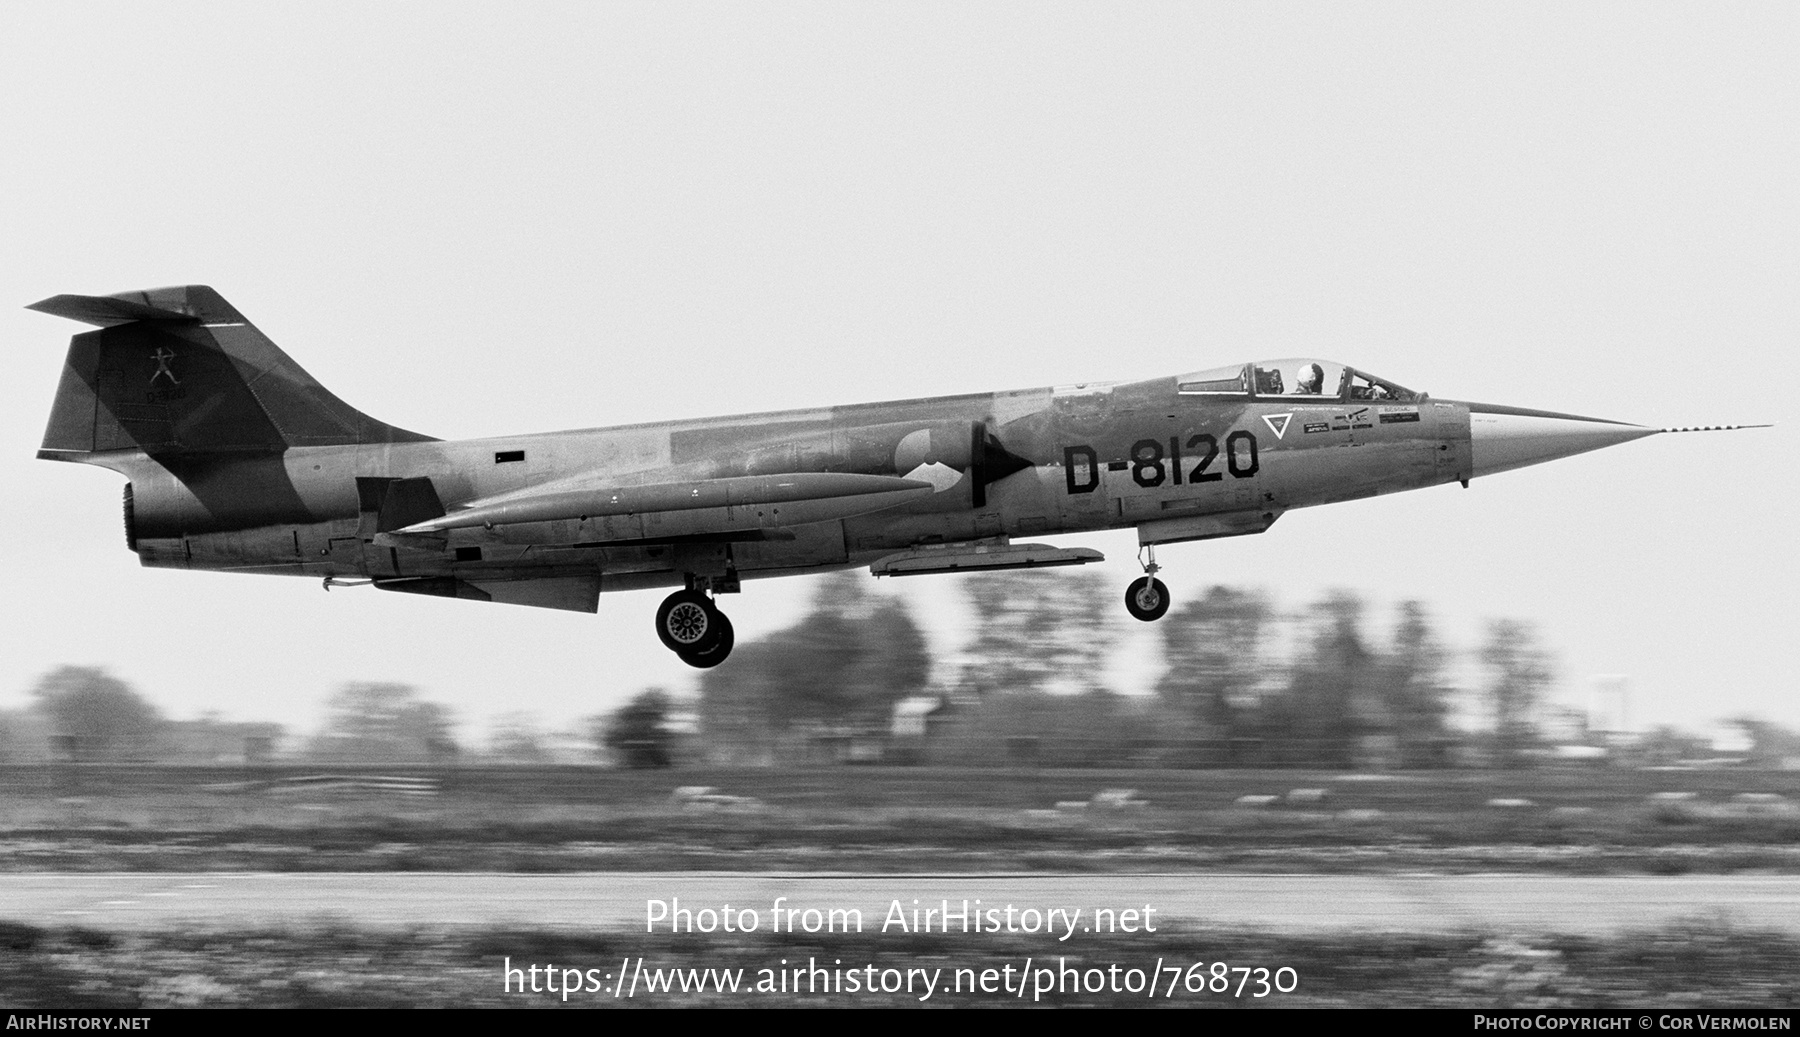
(162, 356)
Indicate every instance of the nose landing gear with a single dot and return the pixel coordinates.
(1147, 599)
(692, 627)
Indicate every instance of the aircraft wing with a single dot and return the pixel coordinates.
(703, 507)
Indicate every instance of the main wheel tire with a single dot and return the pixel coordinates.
(687, 622)
(1147, 599)
(707, 658)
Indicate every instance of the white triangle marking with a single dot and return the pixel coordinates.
(1278, 423)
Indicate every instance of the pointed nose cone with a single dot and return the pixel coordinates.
(1504, 438)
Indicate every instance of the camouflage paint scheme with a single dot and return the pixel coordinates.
(239, 461)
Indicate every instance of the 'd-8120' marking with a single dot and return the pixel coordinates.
(1151, 466)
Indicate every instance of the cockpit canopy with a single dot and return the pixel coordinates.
(1293, 378)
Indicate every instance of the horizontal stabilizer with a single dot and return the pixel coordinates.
(739, 502)
(182, 304)
(966, 558)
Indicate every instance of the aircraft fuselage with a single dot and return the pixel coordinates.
(1177, 467)
(239, 461)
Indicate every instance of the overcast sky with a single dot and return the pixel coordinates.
(474, 220)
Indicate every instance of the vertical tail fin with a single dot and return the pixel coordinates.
(179, 370)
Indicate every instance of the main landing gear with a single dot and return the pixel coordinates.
(692, 627)
(1147, 599)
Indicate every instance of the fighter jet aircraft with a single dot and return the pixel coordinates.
(238, 460)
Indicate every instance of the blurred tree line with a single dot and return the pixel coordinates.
(85, 714)
(815, 687)
(1243, 683)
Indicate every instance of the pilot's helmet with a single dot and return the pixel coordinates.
(1310, 378)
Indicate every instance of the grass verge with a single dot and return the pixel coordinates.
(1698, 964)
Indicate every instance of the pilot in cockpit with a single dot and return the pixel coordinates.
(1310, 379)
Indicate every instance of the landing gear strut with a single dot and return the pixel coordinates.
(692, 627)
(1147, 599)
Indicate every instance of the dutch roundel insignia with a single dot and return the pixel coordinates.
(1278, 423)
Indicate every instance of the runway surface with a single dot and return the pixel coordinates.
(622, 900)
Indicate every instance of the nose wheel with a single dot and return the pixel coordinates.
(691, 626)
(1147, 599)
